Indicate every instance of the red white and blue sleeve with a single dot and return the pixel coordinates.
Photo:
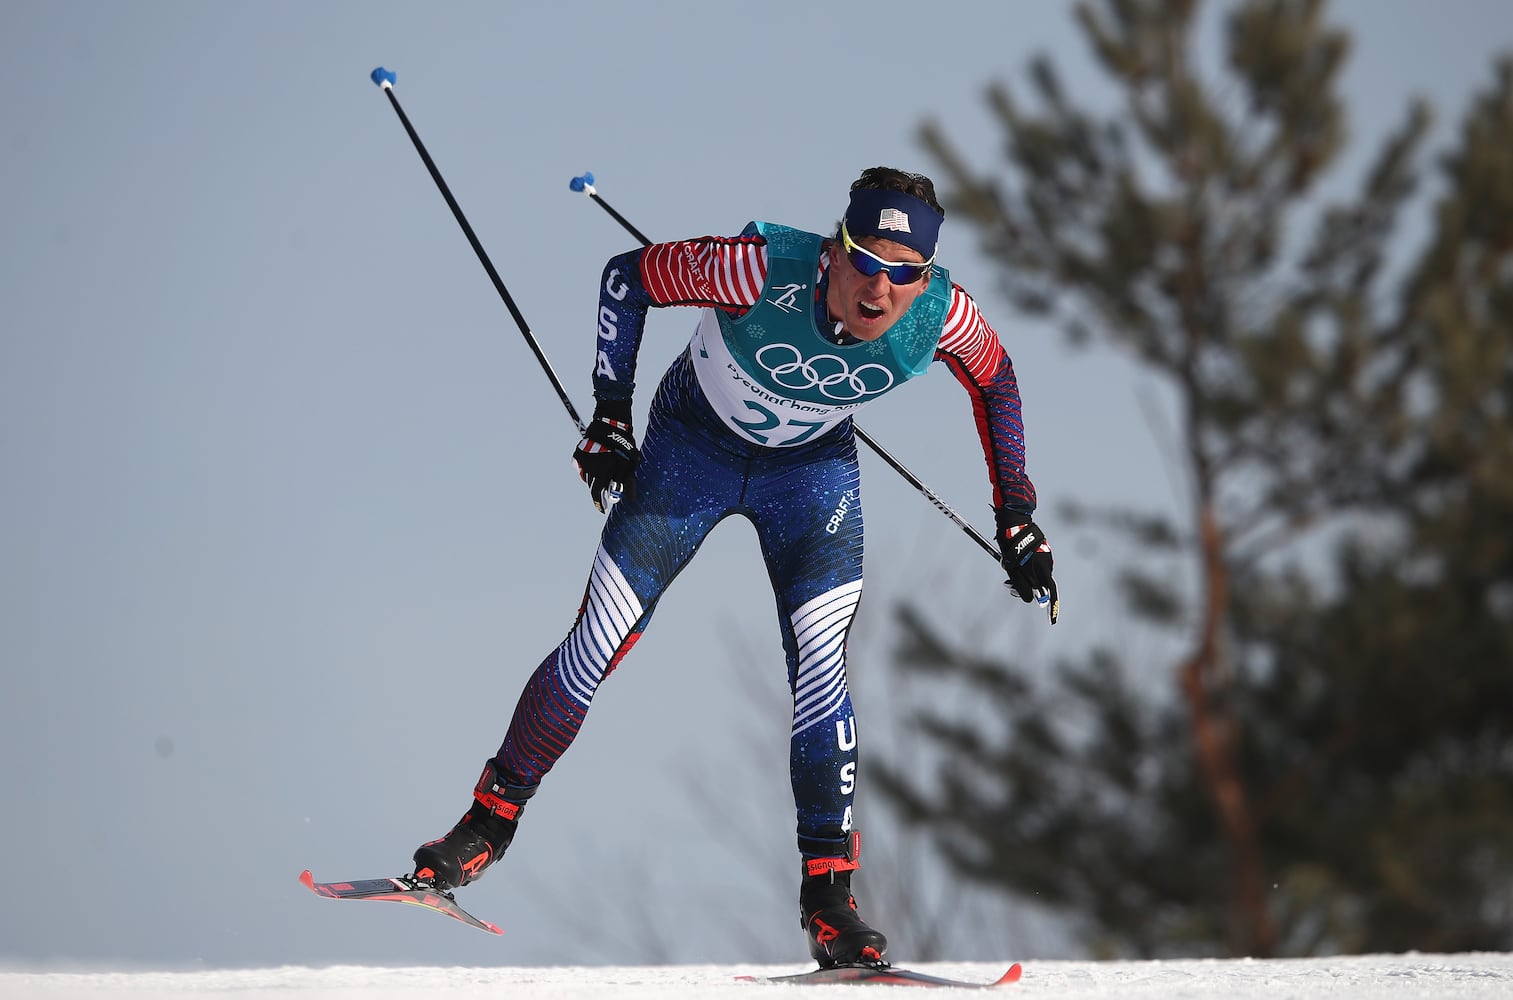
(973, 352)
(717, 272)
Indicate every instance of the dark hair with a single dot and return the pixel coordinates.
(891, 179)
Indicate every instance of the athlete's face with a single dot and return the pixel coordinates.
(868, 307)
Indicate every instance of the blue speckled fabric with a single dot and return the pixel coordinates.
(805, 504)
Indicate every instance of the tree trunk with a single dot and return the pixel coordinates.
(1204, 682)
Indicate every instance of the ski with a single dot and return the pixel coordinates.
(884, 975)
(405, 889)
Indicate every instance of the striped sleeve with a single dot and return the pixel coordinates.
(717, 272)
(973, 352)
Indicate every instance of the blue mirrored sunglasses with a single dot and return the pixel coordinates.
(869, 263)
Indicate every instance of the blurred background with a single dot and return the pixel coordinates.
(287, 512)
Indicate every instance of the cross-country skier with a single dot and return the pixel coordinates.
(797, 333)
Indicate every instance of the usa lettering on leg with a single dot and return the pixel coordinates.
(845, 739)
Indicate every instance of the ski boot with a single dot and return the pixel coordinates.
(837, 933)
(479, 838)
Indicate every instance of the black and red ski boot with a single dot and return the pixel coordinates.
(479, 838)
(837, 933)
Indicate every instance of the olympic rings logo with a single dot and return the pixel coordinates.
(825, 372)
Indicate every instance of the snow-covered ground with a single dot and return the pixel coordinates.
(1372, 977)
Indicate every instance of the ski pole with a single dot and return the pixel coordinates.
(385, 80)
(584, 184)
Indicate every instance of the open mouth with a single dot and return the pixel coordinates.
(869, 311)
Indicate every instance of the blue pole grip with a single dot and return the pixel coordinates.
(380, 76)
(586, 179)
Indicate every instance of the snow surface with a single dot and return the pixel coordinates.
(1371, 977)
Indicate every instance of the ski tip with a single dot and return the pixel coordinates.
(1012, 976)
(307, 880)
(382, 77)
(582, 182)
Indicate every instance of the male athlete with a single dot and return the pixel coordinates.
(797, 333)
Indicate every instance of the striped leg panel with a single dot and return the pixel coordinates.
(820, 628)
(555, 701)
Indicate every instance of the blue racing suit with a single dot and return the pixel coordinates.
(753, 419)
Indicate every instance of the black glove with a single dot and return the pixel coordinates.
(1027, 559)
(607, 456)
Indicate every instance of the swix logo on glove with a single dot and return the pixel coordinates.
(619, 440)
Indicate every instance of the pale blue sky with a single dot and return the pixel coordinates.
(286, 509)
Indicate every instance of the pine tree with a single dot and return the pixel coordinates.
(1333, 770)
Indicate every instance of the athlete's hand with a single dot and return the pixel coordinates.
(607, 456)
(1027, 560)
